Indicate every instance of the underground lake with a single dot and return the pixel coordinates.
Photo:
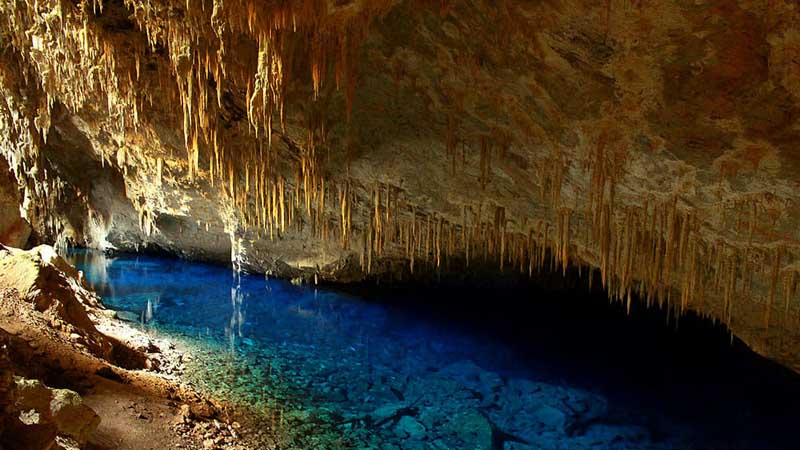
(504, 365)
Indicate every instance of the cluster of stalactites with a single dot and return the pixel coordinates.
(656, 250)
(391, 225)
(71, 59)
(68, 52)
(24, 122)
(197, 41)
(78, 60)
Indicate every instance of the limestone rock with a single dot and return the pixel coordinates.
(61, 408)
(71, 416)
(55, 289)
(14, 230)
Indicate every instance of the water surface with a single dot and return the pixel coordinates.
(453, 368)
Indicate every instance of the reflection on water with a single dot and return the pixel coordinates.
(95, 267)
(330, 370)
(234, 331)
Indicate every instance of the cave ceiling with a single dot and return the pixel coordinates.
(650, 144)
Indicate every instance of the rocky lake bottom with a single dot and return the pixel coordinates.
(332, 370)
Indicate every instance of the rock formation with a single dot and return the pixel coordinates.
(648, 144)
(14, 230)
(56, 338)
(32, 286)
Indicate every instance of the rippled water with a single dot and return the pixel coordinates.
(452, 369)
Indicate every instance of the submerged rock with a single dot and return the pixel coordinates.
(550, 417)
(409, 427)
(470, 430)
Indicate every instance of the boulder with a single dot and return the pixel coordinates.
(61, 408)
(55, 289)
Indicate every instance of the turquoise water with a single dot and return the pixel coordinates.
(451, 369)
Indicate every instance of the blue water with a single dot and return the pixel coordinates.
(478, 370)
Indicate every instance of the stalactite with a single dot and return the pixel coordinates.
(451, 139)
(466, 235)
(563, 237)
(689, 283)
(728, 278)
(428, 232)
(363, 251)
(388, 214)
(789, 290)
(673, 239)
(543, 246)
(282, 203)
(321, 207)
(485, 162)
(370, 246)
(438, 242)
(773, 285)
(414, 239)
(500, 231)
(604, 234)
(377, 225)
(343, 217)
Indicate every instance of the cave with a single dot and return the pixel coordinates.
(399, 224)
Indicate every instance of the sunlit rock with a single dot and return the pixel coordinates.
(60, 407)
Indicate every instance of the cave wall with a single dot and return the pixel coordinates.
(14, 230)
(650, 143)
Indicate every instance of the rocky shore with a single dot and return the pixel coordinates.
(74, 376)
